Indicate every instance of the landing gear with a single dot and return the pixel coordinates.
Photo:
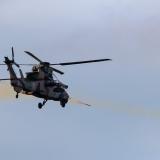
(17, 95)
(63, 103)
(40, 105)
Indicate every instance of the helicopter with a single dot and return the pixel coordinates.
(40, 82)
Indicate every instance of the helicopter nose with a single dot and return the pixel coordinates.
(65, 96)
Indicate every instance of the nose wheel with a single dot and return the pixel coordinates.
(40, 105)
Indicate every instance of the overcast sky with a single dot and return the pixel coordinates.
(124, 121)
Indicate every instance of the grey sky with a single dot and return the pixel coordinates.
(125, 30)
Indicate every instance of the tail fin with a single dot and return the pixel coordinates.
(9, 64)
(15, 82)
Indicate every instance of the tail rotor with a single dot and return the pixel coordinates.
(12, 54)
(13, 61)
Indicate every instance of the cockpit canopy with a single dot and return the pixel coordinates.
(35, 68)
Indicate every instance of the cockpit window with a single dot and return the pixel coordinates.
(35, 69)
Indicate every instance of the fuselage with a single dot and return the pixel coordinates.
(41, 89)
(37, 84)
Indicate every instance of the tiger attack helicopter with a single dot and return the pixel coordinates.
(41, 82)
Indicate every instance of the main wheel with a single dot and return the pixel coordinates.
(40, 105)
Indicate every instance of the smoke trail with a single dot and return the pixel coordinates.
(7, 92)
(76, 101)
(123, 108)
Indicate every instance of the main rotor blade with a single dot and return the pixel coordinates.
(33, 56)
(27, 64)
(3, 64)
(7, 79)
(12, 54)
(81, 62)
(56, 70)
